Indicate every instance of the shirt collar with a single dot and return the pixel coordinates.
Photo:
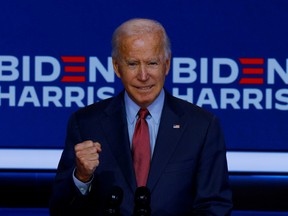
(155, 109)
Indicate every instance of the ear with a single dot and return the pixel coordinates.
(168, 63)
(116, 67)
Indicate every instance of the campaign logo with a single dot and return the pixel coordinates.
(225, 83)
(44, 81)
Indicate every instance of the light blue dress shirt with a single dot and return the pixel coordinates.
(153, 120)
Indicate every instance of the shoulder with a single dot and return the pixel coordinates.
(94, 108)
(183, 107)
(100, 108)
(194, 117)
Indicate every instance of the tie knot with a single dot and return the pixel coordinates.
(143, 112)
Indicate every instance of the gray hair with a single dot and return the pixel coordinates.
(136, 27)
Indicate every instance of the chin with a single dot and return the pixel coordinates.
(144, 99)
(144, 103)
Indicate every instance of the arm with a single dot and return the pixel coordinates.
(66, 197)
(213, 196)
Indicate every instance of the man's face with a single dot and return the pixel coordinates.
(142, 67)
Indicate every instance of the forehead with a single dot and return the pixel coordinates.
(141, 44)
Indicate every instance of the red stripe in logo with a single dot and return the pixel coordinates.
(73, 59)
(251, 70)
(72, 69)
(251, 81)
(252, 61)
(73, 79)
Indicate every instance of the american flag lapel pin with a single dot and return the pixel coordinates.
(176, 126)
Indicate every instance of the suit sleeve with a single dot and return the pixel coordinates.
(66, 199)
(213, 195)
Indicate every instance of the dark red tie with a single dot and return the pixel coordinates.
(141, 148)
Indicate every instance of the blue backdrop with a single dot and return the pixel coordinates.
(229, 57)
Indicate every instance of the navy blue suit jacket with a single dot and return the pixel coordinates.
(188, 173)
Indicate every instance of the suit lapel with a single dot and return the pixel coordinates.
(115, 128)
(170, 130)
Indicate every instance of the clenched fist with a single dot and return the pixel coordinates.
(87, 159)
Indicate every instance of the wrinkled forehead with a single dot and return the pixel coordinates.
(142, 44)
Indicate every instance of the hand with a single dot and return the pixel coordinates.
(87, 159)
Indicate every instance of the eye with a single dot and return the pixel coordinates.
(152, 63)
(132, 63)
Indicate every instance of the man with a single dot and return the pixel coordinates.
(187, 162)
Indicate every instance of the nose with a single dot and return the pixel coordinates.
(143, 74)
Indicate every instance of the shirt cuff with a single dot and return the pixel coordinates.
(84, 187)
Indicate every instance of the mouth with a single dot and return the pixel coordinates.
(144, 88)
